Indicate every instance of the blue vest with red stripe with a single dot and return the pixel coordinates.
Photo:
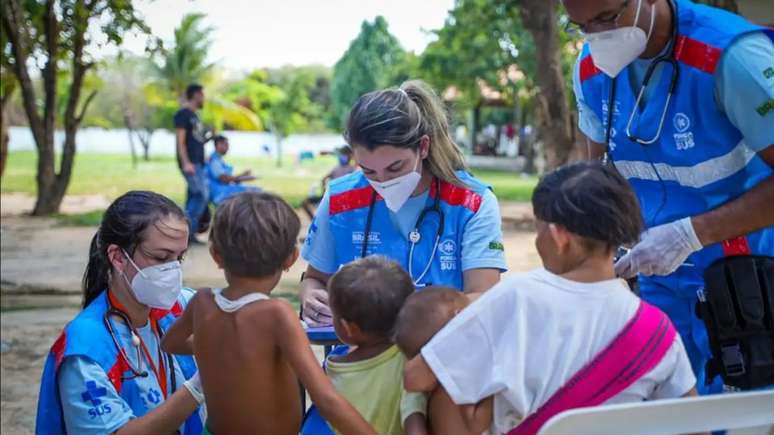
(87, 336)
(350, 199)
(700, 160)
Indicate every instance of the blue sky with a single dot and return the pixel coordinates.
(270, 33)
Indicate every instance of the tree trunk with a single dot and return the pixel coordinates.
(145, 139)
(555, 128)
(4, 127)
(474, 127)
(130, 131)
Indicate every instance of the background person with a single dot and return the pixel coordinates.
(190, 137)
(700, 158)
(413, 201)
(107, 372)
(222, 181)
(343, 167)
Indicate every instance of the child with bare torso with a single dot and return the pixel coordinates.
(251, 350)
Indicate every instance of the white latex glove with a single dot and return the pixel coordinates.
(316, 310)
(194, 385)
(661, 250)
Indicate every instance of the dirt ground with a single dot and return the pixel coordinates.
(41, 264)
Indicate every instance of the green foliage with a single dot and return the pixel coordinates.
(186, 61)
(364, 67)
(480, 41)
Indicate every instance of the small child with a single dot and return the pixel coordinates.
(564, 336)
(365, 298)
(421, 317)
(250, 349)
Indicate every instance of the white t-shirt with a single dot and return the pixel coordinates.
(527, 336)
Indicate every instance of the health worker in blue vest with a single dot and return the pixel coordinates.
(680, 98)
(412, 201)
(106, 373)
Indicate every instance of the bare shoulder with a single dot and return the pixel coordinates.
(201, 294)
(281, 314)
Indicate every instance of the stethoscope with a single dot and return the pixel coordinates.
(414, 236)
(668, 58)
(136, 342)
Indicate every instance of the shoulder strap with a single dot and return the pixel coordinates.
(639, 347)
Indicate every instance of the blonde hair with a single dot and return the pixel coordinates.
(401, 117)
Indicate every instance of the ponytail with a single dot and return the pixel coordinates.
(95, 278)
(123, 225)
(401, 117)
(445, 157)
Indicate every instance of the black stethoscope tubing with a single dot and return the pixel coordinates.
(414, 236)
(668, 57)
(136, 373)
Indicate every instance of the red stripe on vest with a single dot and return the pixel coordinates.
(456, 195)
(697, 54)
(351, 200)
(736, 246)
(117, 371)
(157, 314)
(58, 348)
(588, 69)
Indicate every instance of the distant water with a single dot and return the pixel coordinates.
(116, 141)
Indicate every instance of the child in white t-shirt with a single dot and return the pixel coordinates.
(525, 338)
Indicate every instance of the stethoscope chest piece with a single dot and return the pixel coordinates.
(414, 236)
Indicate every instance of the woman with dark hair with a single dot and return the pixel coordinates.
(413, 201)
(106, 373)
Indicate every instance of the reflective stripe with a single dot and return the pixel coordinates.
(696, 176)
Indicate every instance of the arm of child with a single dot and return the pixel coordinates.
(179, 337)
(297, 351)
(478, 417)
(417, 376)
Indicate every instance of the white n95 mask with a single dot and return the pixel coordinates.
(398, 190)
(157, 286)
(612, 50)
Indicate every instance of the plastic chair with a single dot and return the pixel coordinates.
(739, 413)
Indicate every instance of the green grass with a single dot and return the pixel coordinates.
(112, 174)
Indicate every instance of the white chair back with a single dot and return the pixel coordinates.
(750, 413)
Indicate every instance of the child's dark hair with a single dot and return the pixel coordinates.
(123, 224)
(424, 314)
(369, 292)
(400, 117)
(219, 138)
(254, 233)
(591, 200)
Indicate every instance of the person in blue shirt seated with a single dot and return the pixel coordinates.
(344, 167)
(223, 182)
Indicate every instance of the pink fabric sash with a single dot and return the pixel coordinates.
(637, 349)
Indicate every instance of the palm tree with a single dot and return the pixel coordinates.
(186, 61)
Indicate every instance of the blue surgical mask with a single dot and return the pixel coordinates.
(343, 160)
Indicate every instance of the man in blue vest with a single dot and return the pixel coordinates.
(680, 98)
